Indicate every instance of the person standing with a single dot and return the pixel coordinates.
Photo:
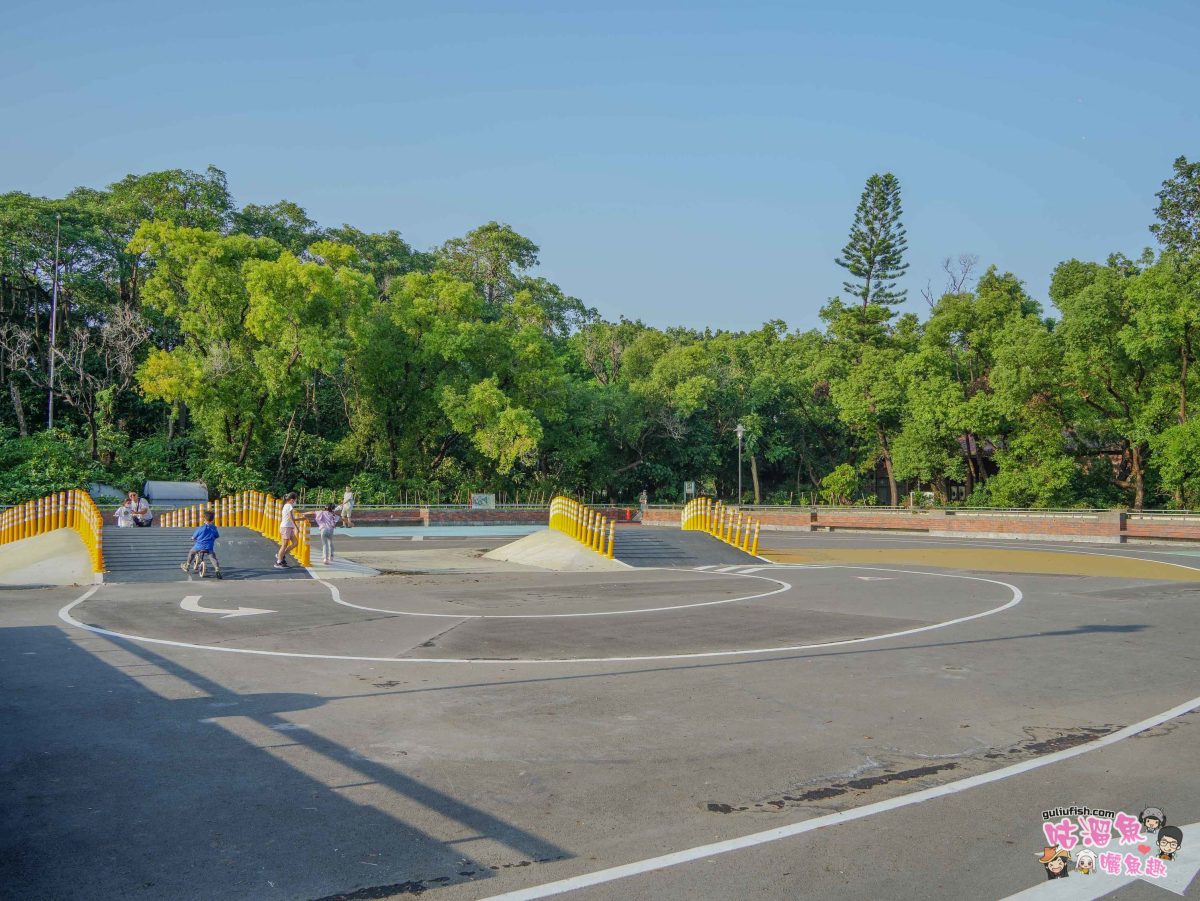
(288, 529)
(124, 516)
(347, 507)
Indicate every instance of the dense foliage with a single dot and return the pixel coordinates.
(251, 348)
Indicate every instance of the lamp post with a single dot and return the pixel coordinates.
(741, 430)
(54, 318)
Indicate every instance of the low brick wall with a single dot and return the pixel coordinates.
(388, 517)
(1111, 527)
(1150, 527)
(485, 517)
(661, 518)
(1103, 527)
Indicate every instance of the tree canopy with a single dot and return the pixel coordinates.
(249, 346)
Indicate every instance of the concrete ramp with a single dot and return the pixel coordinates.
(154, 555)
(653, 546)
(548, 549)
(55, 558)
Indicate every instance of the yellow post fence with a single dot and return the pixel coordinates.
(591, 528)
(729, 524)
(72, 509)
(252, 510)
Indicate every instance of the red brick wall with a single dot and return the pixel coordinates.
(1164, 527)
(485, 517)
(1110, 526)
(390, 517)
(1091, 526)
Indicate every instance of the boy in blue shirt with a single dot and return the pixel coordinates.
(204, 540)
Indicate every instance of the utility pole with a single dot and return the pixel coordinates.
(54, 317)
(740, 432)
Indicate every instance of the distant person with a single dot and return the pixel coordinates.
(288, 528)
(347, 507)
(124, 516)
(139, 508)
(326, 521)
(204, 542)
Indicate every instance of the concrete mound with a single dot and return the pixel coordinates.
(548, 549)
(55, 558)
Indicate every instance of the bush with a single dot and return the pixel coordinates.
(229, 478)
(840, 485)
(43, 463)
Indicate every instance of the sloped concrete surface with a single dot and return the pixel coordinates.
(56, 558)
(553, 550)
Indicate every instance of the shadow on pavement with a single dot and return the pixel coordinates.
(183, 788)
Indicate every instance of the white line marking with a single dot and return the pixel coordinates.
(750, 597)
(706, 566)
(191, 603)
(700, 852)
(725, 569)
(65, 615)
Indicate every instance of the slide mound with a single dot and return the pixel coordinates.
(56, 558)
(548, 549)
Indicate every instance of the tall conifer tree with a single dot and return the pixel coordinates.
(874, 254)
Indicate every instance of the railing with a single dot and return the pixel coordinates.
(587, 526)
(729, 524)
(72, 509)
(248, 510)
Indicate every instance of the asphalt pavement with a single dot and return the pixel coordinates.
(464, 736)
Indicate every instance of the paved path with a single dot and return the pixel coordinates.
(154, 555)
(477, 735)
(657, 546)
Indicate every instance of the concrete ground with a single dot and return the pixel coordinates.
(480, 734)
(55, 558)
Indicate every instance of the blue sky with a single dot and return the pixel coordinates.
(691, 164)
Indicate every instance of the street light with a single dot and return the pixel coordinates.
(54, 320)
(741, 430)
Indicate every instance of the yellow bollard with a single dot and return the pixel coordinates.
(757, 526)
(612, 529)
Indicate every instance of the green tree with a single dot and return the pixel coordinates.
(492, 257)
(1178, 211)
(874, 253)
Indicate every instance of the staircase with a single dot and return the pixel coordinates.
(653, 546)
(154, 554)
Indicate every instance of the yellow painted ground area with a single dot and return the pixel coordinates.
(998, 560)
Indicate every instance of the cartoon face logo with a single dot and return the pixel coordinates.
(1152, 819)
(1055, 859)
(1085, 862)
(1170, 840)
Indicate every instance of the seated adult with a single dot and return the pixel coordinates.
(139, 508)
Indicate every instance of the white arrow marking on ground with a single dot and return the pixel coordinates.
(192, 604)
(1097, 884)
(874, 578)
